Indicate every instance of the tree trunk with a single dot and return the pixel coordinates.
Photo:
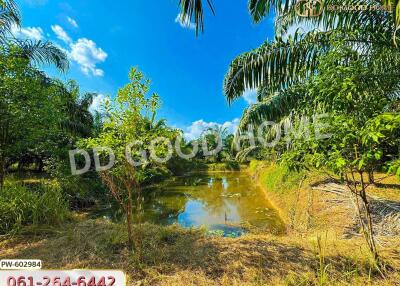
(371, 177)
(125, 202)
(365, 216)
(139, 210)
(368, 228)
(2, 171)
(369, 231)
(129, 219)
(40, 165)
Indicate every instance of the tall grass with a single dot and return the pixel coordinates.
(20, 205)
(322, 271)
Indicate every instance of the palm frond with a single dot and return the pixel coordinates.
(193, 10)
(86, 101)
(9, 16)
(274, 108)
(396, 9)
(259, 9)
(284, 62)
(43, 53)
(243, 155)
(275, 65)
(330, 20)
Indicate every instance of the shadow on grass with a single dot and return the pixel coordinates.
(165, 251)
(388, 186)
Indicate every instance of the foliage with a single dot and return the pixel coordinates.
(363, 130)
(194, 9)
(40, 118)
(27, 109)
(381, 135)
(226, 166)
(396, 8)
(219, 145)
(38, 52)
(20, 206)
(129, 118)
(131, 131)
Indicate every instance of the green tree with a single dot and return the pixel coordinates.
(277, 67)
(30, 110)
(79, 121)
(131, 131)
(362, 124)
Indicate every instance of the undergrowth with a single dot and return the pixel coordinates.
(40, 204)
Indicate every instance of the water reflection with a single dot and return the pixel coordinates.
(221, 202)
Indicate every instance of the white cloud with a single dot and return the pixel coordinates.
(83, 51)
(98, 102)
(86, 53)
(185, 22)
(250, 96)
(232, 126)
(33, 33)
(198, 127)
(61, 34)
(72, 22)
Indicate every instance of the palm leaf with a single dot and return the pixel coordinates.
(40, 52)
(284, 62)
(275, 65)
(273, 108)
(193, 9)
(396, 8)
(259, 9)
(330, 20)
(9, 16)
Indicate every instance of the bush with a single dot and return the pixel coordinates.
(226, 166)
(81, 191)
(21, 206)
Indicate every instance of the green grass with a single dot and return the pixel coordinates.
(275, 178)
(225, 166)
(39, 204)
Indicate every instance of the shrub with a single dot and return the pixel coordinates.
(21, 206)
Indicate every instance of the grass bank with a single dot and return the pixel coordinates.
(309, 203)
(302, 209)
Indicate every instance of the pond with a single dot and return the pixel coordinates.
(226, 204)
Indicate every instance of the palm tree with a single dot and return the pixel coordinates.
(9, 17)
(38, 52)
(259, 9)
(276, 66)
(79, 121)
(278, 69)
(396, 6)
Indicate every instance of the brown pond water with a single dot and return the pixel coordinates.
(226, 204)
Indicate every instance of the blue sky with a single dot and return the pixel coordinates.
(105, 38)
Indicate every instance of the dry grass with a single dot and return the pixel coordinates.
(174, 256)
(306, 208)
